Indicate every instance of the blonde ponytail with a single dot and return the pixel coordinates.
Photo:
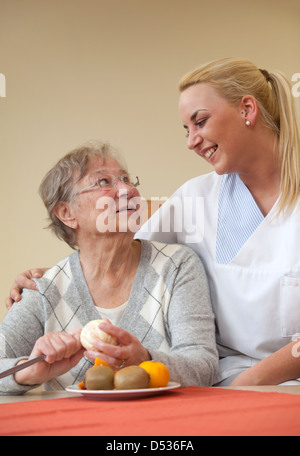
(289, 142)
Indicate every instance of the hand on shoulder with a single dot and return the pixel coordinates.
(23, 280)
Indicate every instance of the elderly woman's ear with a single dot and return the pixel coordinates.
(64, 213)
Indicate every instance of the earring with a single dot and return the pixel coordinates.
(248, 123)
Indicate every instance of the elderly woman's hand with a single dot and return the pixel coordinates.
(63, 351)
(23, 280)
(129, 350)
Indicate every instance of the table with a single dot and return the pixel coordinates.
(190, 411)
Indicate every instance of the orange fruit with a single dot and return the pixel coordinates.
(159, 373)
(81, 385)
(100, 362)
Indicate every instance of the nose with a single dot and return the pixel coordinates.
(194, 139)
(124, 190)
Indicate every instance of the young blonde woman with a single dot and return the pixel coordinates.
(241, 119)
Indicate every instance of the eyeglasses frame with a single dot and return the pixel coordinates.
(109, 187)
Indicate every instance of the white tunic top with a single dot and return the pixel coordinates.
(256, 295)
(114, 315)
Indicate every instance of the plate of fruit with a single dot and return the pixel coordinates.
(150, 378)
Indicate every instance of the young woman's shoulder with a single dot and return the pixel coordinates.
(201, 184)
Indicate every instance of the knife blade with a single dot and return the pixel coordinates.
(15, 369)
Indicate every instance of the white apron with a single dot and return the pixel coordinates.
(256, 297)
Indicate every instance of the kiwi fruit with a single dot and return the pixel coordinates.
(99, 378)
(131, 377)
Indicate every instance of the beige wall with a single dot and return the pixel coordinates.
(82, 69)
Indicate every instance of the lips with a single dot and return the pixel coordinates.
(126, 208)
(128, 204)
(208, 152)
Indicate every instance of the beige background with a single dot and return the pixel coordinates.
(82, 69)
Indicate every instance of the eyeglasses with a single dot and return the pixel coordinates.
(108, 181)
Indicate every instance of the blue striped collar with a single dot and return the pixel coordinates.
(238, 217)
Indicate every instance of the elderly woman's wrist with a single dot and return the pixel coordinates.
(24, 377)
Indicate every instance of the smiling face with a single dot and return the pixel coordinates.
(95, 210)
(215, 129)
(114, 207)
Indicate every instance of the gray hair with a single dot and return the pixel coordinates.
(59, 183)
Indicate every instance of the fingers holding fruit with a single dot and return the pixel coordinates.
(117, 346)
(96, 341)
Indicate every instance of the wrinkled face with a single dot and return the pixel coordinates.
(114, 208)
(215, 129)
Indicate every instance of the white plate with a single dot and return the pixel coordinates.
(121, 394)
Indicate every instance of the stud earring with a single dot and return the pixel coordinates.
(248, 123)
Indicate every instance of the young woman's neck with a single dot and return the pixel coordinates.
(263, 175)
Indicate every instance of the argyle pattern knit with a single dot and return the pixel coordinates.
(168, 310)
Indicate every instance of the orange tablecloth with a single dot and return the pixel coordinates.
(185, 412)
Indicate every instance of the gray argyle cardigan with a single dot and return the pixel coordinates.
(168, 310)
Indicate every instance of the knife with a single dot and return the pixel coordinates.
(15, 369)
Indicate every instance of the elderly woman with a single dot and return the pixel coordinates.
(154, 295)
